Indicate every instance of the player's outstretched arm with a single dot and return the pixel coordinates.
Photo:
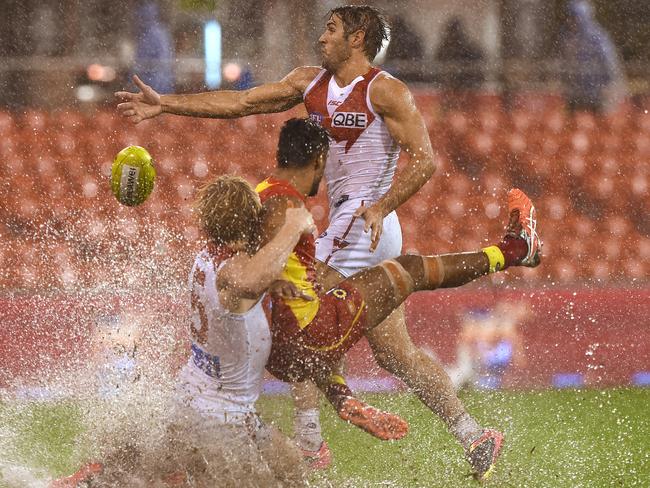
(267, 98)
(394, 102)
(250, 276)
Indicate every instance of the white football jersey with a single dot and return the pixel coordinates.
(363, 155)
(223, 377)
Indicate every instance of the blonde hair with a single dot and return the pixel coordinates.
(227, 210)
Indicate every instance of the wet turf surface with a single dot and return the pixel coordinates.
(570, 438)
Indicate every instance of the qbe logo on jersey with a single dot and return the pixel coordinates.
(350, 120)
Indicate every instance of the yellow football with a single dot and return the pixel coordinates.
(132, 175)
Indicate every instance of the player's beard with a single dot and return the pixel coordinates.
(337, 58)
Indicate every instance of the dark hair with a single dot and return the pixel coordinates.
(300, 141)
(367, 19)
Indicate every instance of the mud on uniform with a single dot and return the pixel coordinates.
(359, 170)
(309, 337)
(223, 377)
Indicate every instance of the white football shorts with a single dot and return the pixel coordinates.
(346, 247)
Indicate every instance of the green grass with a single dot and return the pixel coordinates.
(569, 438)
(39, 435)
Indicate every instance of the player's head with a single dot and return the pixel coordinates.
(352, 28)
(227, 210)
(303, 145)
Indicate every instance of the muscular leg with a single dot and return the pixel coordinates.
(306, 397)
(395, 352)
(425, 376)
(383, 289)
(386, 286)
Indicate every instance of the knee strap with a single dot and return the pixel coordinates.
(400, 279)
(434, 271)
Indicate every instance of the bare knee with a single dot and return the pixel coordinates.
(393, 352)
(390, 342)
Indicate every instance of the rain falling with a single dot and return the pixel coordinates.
(303, 243)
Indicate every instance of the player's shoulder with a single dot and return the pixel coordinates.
(386, 84)
(302, 76)
(388, 91)
(278, 189)
(278, 201)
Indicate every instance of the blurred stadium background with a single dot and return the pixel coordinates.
(498, 118)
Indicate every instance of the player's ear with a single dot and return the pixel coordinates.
(357, 39)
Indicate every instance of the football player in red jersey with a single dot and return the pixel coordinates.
(371, 116)
(310, 337)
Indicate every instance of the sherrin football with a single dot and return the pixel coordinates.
(132, 175)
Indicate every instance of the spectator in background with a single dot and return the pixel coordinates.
(154, 53)
(461, 59)
(245, 80)
(489, 345)
(593, 79)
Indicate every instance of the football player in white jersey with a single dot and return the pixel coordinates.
(230, 336)
(370, 116)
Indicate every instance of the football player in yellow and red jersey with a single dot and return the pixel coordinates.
(310, 337)
(305, 306)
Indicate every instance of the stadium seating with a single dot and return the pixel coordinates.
(61, 227)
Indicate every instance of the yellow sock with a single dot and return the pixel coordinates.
(495, 256)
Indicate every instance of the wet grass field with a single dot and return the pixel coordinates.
(569, 438)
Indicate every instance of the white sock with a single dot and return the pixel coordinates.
(306, 429)
(465, 429)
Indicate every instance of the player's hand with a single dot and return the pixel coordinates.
(286, 289)
(374, 217)
(136, 107)
(301, 218)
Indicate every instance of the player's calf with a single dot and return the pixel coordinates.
(519, 247)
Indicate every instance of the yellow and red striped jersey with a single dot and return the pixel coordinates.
(300, 269)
